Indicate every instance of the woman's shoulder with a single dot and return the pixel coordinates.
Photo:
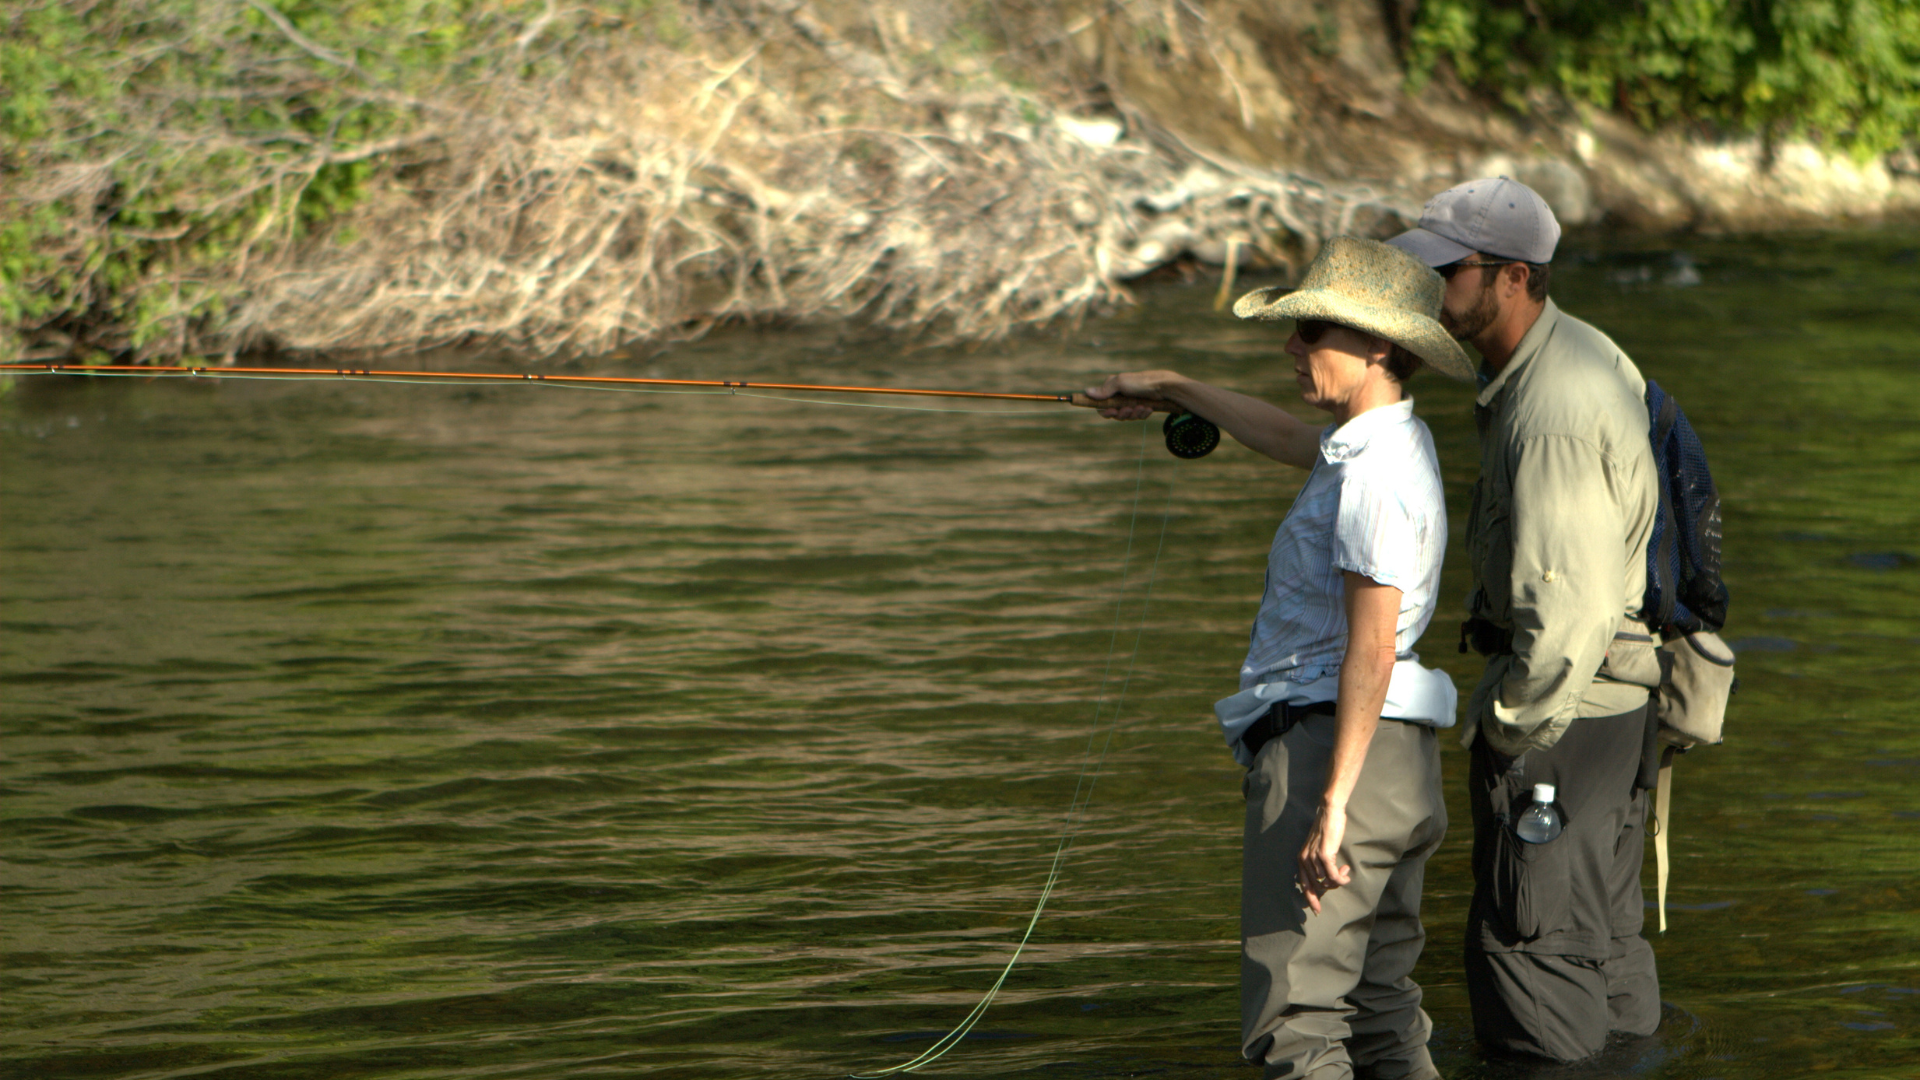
(1395, 480)
(1397, 454)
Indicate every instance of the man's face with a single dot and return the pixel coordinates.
(1470, 305)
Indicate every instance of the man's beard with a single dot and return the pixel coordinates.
(1470, 323)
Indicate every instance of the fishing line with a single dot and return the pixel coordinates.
(1089, 774)
(1187, 435)
(509, 380)
(904, 408)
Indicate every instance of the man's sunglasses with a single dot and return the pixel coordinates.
(1453, 268)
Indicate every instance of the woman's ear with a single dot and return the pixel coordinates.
(1379, 349)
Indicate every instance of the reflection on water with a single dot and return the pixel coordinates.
(358, 730)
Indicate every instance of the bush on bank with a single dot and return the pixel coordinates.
(153, 150)
(1842, 71)
(188, 178)
(381, 176)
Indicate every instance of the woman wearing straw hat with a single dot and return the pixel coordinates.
(1335, 717)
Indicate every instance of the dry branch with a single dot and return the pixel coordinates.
(285, 26)
(639, 193)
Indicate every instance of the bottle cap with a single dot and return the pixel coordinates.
(1543, 793)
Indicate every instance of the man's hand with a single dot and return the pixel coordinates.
(1150, 385)
(1320, 869)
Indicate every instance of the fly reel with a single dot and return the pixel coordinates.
(1190, 436)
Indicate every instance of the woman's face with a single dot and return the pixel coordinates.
(1332, 367)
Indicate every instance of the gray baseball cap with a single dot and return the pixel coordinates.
(1495, 216)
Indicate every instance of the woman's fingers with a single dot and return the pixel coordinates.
(1135, 384)
(1319, 877)
(1310, 887)
(1319, 868)
(1115, 386)
(1313, 870)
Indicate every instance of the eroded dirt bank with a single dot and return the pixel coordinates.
(912, 166)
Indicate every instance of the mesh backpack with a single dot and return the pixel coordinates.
(1686, 605)
(1684, 590)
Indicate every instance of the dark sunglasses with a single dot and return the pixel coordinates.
(1312, 330)
(1453, 268)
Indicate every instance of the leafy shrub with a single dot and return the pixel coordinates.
(150, 147)
(1845, 71)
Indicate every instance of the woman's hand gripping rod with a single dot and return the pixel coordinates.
(1188, 436)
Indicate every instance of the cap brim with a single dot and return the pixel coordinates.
(1430, 247)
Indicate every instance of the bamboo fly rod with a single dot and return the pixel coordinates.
(1188, 436)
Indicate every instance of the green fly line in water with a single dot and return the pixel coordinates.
(1090, 765)
(1186, 436)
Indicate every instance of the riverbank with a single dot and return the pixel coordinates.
(551, 183)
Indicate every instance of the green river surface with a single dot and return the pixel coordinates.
(356, 730)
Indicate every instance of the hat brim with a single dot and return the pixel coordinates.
(1419, 334)
(1430, 247)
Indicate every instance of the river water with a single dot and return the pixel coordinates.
(358, 730)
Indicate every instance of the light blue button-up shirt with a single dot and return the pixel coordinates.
(1373, 505)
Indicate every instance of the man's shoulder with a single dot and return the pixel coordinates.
(1581, 384)
(1583, 335)
(1577, 353)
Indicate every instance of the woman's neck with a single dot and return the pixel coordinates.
(1368, 396)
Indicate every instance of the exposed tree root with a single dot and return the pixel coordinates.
(639, 192)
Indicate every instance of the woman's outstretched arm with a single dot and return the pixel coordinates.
(1261, 427)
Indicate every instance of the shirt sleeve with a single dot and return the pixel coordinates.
(1376, 535)
(1567, 579)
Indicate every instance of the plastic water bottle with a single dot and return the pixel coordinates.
(1541, 822)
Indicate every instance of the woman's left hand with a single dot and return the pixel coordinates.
(1320, 869)
(1137, 387)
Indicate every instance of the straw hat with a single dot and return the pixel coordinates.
(1375, 289)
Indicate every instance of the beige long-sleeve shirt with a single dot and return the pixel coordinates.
(1558, 531)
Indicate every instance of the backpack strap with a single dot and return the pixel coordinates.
(1664, 559)
(1662, 809)
(1663, 424)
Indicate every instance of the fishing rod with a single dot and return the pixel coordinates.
(1187, 435)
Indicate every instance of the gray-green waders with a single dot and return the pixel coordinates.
(1323, 994)
(1554, 955)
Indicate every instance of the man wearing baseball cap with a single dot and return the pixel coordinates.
(1557, 538)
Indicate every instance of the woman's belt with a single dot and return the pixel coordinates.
(1278, 721)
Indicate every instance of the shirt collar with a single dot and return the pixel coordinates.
(1344, 443)
(1536, 336)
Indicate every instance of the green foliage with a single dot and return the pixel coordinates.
(147, 146)
(35, 65)
(1847, 71)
